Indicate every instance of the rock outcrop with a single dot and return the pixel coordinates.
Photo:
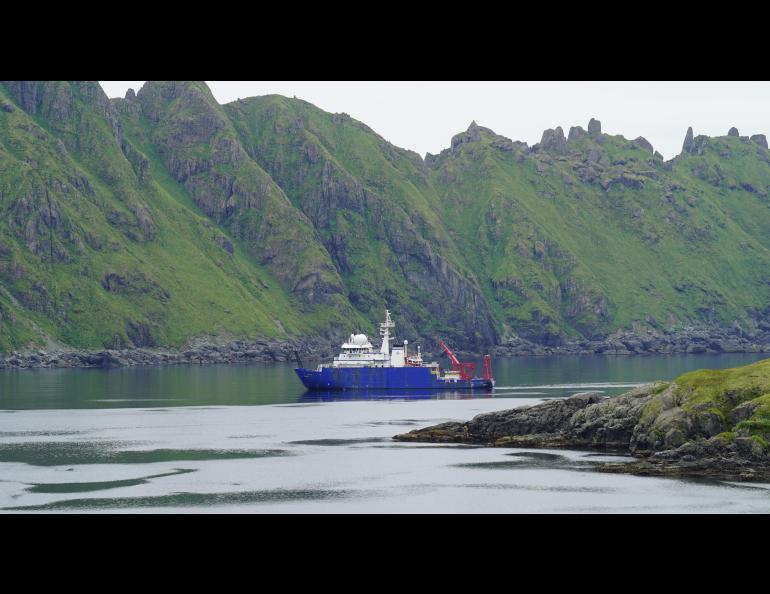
(198, 352)
(712, 424)
(694, 340)
(338, 197)
(688, 141)
(644, 143)
(576, 133)
(594, 128)
(554, 141)
(231, 188)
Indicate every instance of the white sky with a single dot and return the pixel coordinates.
(423, 116)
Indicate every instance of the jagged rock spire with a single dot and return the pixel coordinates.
(554, 141)
(472, 134)
(575, 134)
(760, 139)
(644, 143)
(687, 145)
(594, 128)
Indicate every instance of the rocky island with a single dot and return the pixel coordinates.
(706, 423)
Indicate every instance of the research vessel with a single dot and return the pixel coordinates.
(360, 367)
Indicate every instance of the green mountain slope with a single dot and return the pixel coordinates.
(578, 238)
(101, 247)
(165, 217)
(374, 210)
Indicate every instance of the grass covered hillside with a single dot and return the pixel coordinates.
(164, 217)
(100, 246)
(374, 210)
(581, 236)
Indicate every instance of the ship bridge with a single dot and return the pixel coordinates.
(358, 351)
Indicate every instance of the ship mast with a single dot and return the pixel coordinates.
(385, 333)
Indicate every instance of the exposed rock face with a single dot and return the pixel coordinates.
(648, 422)
(234, 190)
(576, 133)
(586, 419)
(553, 141)
(25, 93)
(342, 207)
(644, 143)
(200, 352)
(594, 128)
(733, 132)
(693, 340)
(140, 334)
(760, 139)
(688, 141)
(472, 134)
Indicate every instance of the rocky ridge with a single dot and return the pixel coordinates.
(144, 221)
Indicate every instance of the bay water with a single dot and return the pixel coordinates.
(251, 439)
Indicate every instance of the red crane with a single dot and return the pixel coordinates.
(466, 370)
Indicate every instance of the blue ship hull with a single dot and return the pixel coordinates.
(384, 378)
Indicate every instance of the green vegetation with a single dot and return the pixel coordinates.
(563, 256)
(163, 217)
(722, 391)
(726, 387)
(173, 277)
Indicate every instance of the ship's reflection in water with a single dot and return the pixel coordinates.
(350, 395)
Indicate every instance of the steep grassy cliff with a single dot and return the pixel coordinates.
(165, 217)
(101, 246)
(374, 210)
(579, 237)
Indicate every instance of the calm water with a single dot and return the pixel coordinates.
(248, 438)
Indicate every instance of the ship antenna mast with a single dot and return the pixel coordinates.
(385, 333)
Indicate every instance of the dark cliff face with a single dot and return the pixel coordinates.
(86, 199)
(80, 140)
(575, 238)
(351, 185)
(72, 193)
(199, 146)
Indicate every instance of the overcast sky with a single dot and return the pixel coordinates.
(423, 116)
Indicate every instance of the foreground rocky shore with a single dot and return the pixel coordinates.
(239, 351)
(713, 424)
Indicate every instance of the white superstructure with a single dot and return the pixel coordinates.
(359, 352)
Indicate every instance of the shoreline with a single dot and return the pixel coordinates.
(695, 340)
(652, 423)
(309, 350)
(234, 352)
